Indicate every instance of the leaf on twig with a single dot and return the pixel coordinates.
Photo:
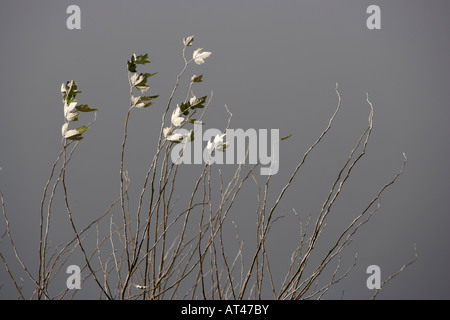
(140, 59)
(82, 129)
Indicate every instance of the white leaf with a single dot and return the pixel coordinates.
(221, 147)
(142, 88)
(218, 139)
(217, 144)
(68, 114)
(209, 147)
(136, 101)
(70, 107)
(71, 116)
(199, 56)
(175, 137)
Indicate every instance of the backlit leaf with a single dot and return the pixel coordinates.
(85, 108)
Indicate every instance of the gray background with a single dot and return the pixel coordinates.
(275, 64)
